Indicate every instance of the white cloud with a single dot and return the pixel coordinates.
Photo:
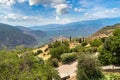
(23, 20)
(79, 9)
(60, 5)
(6, 3)
(45, 2)
(21, 1)
(61, 9)
(57, 18)
(97, 13)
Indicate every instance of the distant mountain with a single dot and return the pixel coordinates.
(11, 36)
(47, 27)
(38, 34)
(75, 29)
(105, 32)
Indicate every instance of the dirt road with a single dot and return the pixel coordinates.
(68, 69)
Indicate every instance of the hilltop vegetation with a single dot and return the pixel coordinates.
(21, 64)
(105, 32)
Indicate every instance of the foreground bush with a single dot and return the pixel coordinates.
(88, 68)
(68, 57)
(111, 76)
(17, 65)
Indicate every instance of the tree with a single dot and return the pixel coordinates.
(88, 68)
(15, 65)
(80, 40)
(111, 45)
(70, 38)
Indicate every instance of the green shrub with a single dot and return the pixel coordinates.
(78, 49)
(46, 49)
(57, 52)
(54, 62)
(38, 52)
(84, 43)
(88, 68)
(68, 57)
(96, 43)
(116, 32)
(50, 45)
(56, 44)
(66, 43)
(111, 76)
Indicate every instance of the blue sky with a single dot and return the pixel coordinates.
(41, 12)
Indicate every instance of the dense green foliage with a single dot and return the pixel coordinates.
(88, 68)
(68, 57)
(110, 52)
(111, 76)
(96, 42)
(116, 32)
(57, 52)
(19, 65)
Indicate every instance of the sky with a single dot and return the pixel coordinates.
(42, 12)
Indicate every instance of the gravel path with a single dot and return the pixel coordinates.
(67, 69)
(70, 69)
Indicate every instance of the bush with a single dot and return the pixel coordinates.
(88, 68)
(78, 49)
(54, 62)
(116, 32)
(38, 52)
(68, 57)
(66, 43)
(84, 43)
(46, 49)
(56, 44)
(57, 52)
(111, 76)
(91, 49)
(50, 45)
(96, 43)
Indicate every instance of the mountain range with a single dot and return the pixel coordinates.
(12, 36)
(75, 29)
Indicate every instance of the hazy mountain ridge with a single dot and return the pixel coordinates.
(75, 29)
(11, 36)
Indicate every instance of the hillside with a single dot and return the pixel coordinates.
(11, 36)
(105, 32)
